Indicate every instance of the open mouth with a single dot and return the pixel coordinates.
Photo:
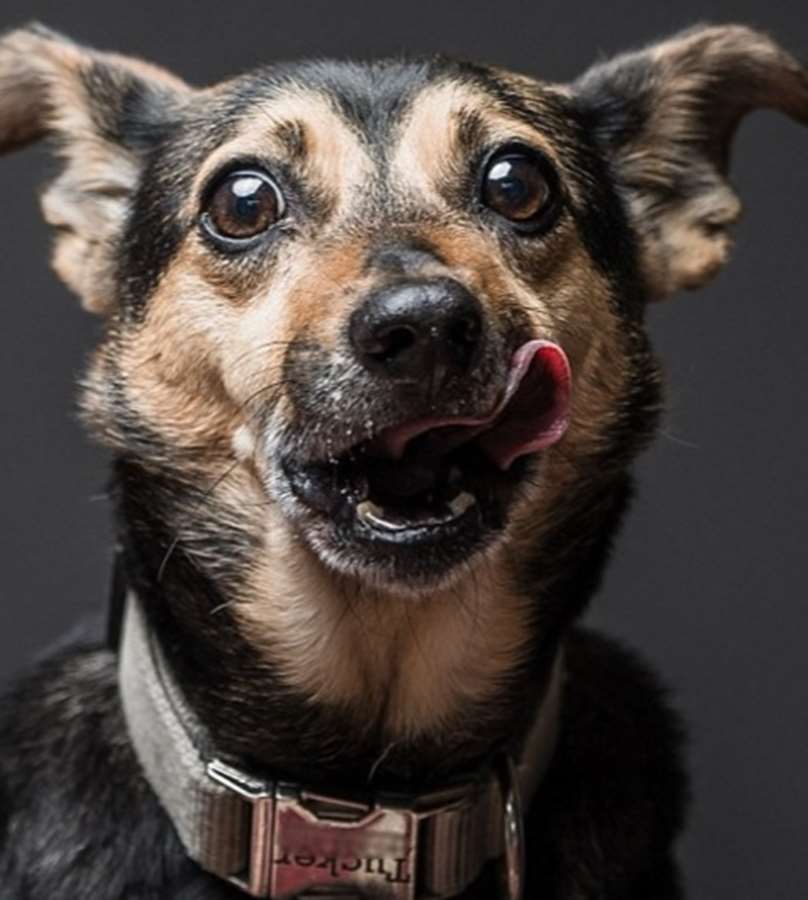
(426, 479)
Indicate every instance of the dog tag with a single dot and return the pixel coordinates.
(339, 848)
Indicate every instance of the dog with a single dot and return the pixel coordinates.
(373, 374)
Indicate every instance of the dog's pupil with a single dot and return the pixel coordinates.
(515, 188)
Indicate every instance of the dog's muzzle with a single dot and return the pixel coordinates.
(422, 491)
(278, 840)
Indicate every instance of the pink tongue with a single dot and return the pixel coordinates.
(532, 414)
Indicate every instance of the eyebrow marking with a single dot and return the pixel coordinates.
(448, 125)
(471, 132)
(291, 137)
(300, 129)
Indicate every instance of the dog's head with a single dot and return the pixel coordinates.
(385, 319)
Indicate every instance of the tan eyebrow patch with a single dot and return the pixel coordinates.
(302, 128)
(429, 144)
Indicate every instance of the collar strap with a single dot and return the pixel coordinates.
(278, 840)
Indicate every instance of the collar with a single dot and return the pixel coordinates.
(277, 840)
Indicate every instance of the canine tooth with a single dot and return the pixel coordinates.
(461, 503)
(373, 515)
(367, 508)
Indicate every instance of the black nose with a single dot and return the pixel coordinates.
(418, 330)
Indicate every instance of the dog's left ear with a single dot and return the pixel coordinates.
(665, 117)
(106, 113)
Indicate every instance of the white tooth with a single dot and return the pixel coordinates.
(373, 515)
(461, 503)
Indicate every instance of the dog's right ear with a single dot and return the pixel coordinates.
(106, 112)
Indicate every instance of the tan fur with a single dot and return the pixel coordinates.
(173, 375)
(410, 663)
(692, 243)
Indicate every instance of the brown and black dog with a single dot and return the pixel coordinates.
(373, 374)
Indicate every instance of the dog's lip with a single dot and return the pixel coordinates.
(518, 425)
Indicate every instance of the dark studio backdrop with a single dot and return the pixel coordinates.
(708, 578)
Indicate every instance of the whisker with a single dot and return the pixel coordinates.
(221, 607)
(681, 442)
(264, 346)
(173, 545)
(382, 757)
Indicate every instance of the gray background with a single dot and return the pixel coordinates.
(708, 577)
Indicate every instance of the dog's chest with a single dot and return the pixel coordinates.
(418, 662)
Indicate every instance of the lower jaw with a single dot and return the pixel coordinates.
(400, 542)
(415, 557)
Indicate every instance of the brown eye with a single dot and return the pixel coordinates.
(517, 186)
(243, 205)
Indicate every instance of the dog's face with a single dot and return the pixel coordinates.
(386, 316)
(377, 267)
(378, 270)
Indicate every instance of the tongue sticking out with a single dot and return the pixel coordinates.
(531, 415)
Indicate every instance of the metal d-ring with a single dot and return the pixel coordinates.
(513, 833)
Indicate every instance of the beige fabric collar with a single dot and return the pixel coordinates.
(279, 840)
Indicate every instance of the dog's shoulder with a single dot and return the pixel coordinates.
(610, 807)
(77, 818)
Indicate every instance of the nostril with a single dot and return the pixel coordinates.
(465, 331)
(391, 343)
(463, 337)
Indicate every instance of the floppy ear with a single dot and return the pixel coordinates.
(106, 112)
(665, 117)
